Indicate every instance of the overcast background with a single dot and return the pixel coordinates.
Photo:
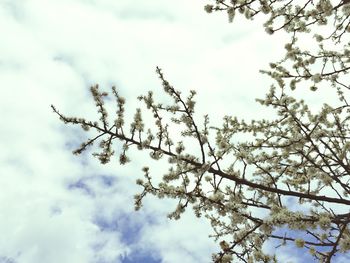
(56, 207)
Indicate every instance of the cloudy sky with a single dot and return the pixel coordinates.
(56, 207)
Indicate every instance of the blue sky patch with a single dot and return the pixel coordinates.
(6, 260)
(124, 224)
(82, 186)
(137, 257)
(83, 183)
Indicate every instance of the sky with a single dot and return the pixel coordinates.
(57, 207)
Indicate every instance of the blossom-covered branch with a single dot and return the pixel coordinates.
(299, 155)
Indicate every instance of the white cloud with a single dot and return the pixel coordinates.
(52, 52)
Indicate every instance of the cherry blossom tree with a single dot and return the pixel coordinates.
(246, 188)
